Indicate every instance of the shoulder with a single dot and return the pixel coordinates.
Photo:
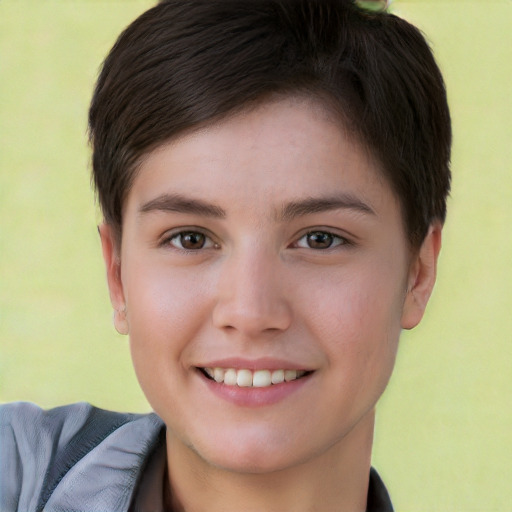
(25, 417)
(29, 432)
(39, 447)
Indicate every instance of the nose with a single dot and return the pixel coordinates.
(251, 296)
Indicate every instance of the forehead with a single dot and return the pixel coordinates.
(260, 158)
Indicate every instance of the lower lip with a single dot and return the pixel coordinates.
(255, 397)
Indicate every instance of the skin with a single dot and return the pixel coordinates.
(259, 289)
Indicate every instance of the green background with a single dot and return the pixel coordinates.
(444, 427)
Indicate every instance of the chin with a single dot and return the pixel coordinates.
(249, 456)
(254, 464)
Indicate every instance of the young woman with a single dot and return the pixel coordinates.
(273, 177)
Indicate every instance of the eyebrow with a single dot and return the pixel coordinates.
(181, 204)
(316, 205)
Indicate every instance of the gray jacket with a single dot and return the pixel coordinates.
(72, 458)
(79, 458)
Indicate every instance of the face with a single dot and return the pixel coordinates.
(266, 278)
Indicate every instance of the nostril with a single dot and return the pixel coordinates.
(254, 320)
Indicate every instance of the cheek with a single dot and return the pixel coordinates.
(358, 323)
(166, 310)
(356, 302)
(160, 300)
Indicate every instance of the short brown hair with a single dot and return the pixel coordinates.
(187, 62)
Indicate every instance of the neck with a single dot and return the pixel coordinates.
(336, 479)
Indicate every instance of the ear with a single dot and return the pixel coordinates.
(112, 260)
(422, 277)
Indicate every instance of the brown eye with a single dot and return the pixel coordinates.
(320, 240)
(191, 241)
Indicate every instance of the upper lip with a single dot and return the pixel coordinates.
(264, 363)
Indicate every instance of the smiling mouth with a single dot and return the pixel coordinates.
(252, 379)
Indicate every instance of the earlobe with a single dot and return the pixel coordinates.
(112, 261)
(422, 277)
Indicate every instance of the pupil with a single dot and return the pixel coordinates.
(319, 240)
(192, 240)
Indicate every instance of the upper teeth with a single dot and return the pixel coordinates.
(249, 378)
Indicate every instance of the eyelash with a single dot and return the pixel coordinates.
(180, 234)
(335, 240)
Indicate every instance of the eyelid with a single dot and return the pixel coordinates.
(346, 239)
(165, 239)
